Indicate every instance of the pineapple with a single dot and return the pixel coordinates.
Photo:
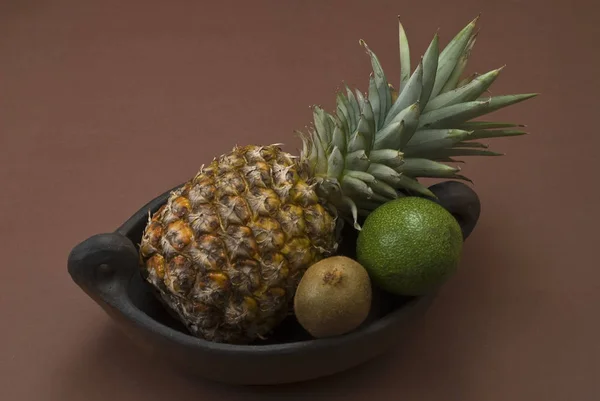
(227, 250)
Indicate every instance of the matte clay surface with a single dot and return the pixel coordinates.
(104, 105)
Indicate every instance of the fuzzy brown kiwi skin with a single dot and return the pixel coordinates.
(333, 297)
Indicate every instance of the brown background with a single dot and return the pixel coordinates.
(104, 105)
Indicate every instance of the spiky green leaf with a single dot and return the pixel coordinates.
(335, 163)
(344, 107)
(319, 155)
(343, 113)
(457, 73)
(357, 142)
(411, 184)
(428, 144)
(357, 161)
(430, 65)
(386, 191)
(454, 115)
(356, 188)
(389, 137)
(383, 173)
(319, 118)
(450, 55)
(364, 128)
(389, 157)
(339, 137)
(361, 175)
(418, 167)
(367, 112)
(352, 100)
(465, 93)
(351, 207)
(375, 101)
(411, 122)
(381, 83)
(428, 135)
(360, 98)
(404, 56)
(410, 95)
(343, 121)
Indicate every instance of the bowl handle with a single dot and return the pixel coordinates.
(461, 201)
(102, 265)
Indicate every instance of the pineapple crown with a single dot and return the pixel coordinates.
(377, 145)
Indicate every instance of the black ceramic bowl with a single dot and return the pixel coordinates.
(105, 266)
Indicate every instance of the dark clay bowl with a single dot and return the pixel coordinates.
(105, 266)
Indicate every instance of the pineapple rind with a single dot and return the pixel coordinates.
(227, 250)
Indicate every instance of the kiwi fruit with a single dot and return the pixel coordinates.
(333, 297)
